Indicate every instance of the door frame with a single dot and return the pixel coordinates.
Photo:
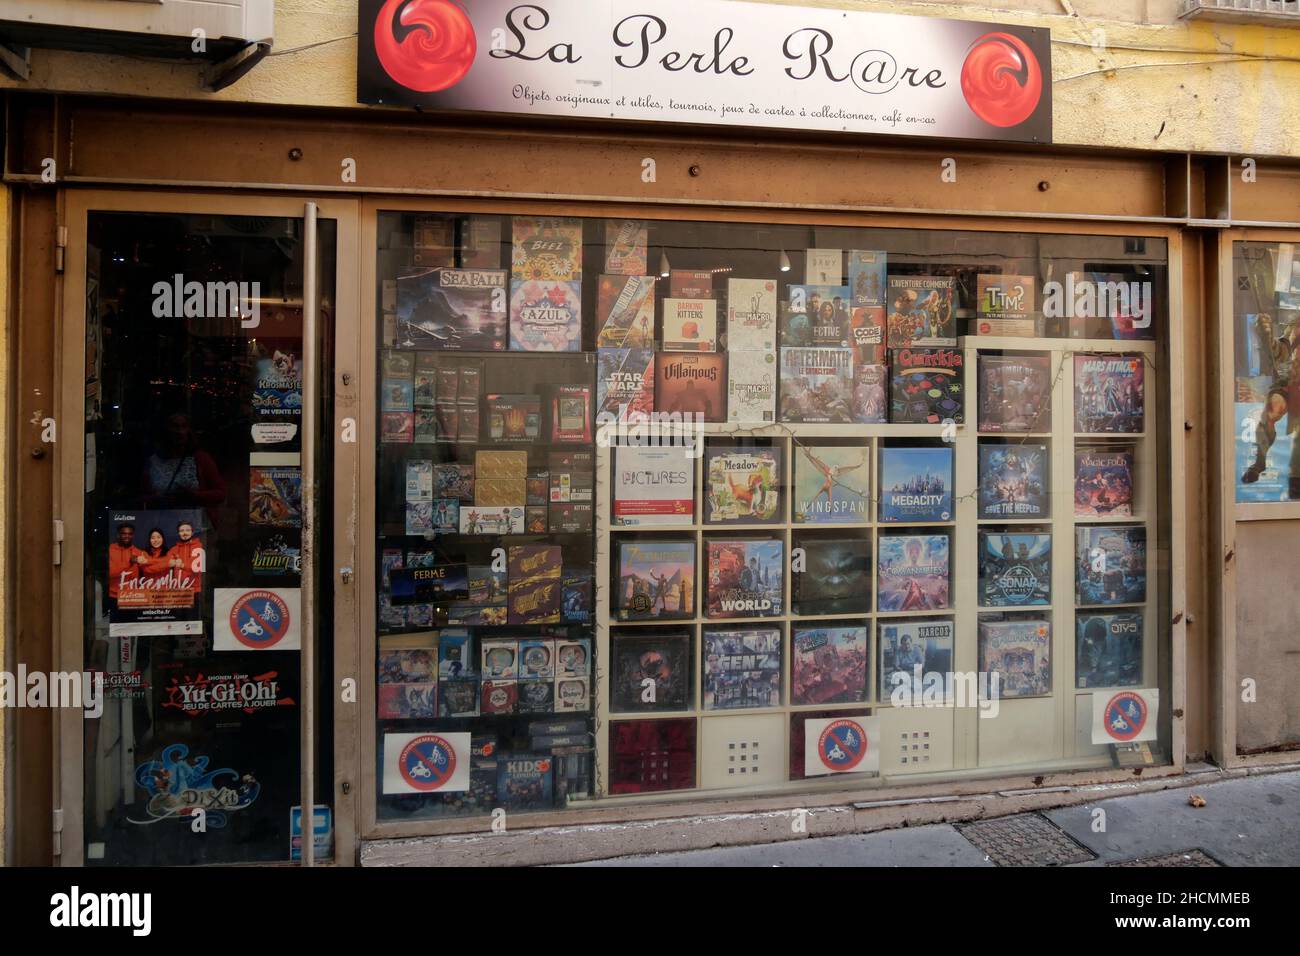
(1225, 693)
(69, 455)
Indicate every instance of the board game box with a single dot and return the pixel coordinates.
(816, 315)
(1005, 305)
(743, 484)
(1108, 394)
(751, 386)
(624, 384)
(835, 577)
(1111, 565)
(1021, 653)
(1014, 569)
(406, 701)
(691, 384)
(545, 316)
(571, 414)
(456, 654)
(1103, 482)
(920, 311)
(867, 335)
(690, 325)
(1106, 305)
(514, 418)
(626, 307)
(751, 315)
(525, 782)
(1015, 393)
(656, 580)
(831, 484)
(744, 577)
(824, 266)
(1013, 481)
(653, 484)
(742, 668)
(458, 697)
(533, 592)
(463, 309)
(626, 247)
(867, 278)
(870, 401)
(546, 249)
(828, 665)
(817, 385)
(690, 284)
(915, 484)
(1108, 650)
(926, 386)
(576, 592)
(650, 672)
(911, 649)
(912, 572)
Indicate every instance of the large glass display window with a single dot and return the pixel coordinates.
(697, 506)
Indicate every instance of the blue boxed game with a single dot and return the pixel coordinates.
(915, 484)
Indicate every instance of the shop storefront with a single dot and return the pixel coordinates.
(566, 472)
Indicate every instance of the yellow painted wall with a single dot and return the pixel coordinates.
(1127, 73)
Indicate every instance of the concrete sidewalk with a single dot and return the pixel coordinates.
(1251, 821)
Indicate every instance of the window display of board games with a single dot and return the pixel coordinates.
(818, 473)
(858, 572)
(485, 504)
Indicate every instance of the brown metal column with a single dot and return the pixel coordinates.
(33, 317)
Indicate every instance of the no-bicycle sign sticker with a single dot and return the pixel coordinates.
(1125, 716)
(846, 744)
(426, 763)
(256, 619)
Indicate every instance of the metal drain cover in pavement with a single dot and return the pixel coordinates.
(1182, 858)
(1025, 839)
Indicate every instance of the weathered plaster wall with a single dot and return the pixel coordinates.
(1127, 73)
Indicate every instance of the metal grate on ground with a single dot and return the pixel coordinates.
(1181, 858)
(1025, 839)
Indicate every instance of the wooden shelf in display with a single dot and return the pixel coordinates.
(1050, 725)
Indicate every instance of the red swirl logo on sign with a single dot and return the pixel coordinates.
(425, 45)
(1001, 79)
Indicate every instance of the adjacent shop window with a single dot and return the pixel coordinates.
(1266, 337)
(878, 501)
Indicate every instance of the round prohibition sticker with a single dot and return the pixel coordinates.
(259, 619)
(1126, 715)
(842, 745)
(427, 762)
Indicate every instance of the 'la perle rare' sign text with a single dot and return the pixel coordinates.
(717, 62)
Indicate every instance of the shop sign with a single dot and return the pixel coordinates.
(716, 62)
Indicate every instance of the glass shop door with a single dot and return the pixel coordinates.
(199, 356)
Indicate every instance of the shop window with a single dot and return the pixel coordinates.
(1266, 335)
(806, 502)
